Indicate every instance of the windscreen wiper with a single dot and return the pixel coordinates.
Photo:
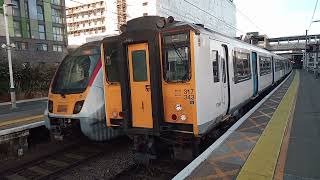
(178, 52)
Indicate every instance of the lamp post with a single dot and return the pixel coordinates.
(8, 46)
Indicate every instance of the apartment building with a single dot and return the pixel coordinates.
(38, 30)
(94, 19)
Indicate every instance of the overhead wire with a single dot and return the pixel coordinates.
(229, 25)
(314, 11)
(247, 17)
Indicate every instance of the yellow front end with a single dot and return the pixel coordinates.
(179, 98)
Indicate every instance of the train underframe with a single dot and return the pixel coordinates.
(61, 128)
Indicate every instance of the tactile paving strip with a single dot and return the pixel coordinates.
(226, 161)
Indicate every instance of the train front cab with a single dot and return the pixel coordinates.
(74, 86)
(110, 54)
(157, 113)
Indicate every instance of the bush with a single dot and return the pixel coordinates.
(31, 80)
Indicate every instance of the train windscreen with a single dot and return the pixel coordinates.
(176, 55)
(76, 70)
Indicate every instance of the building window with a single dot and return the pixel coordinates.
(28, 30)
(57, 34)
(17, 28)
(56, 16)
(214, 56)
(145, 4)
(21, 45)
(265, 65)
(242, 69)
(40, 12)
(145, 14)
(16, 8)
(26, 8)
(57, 48)
(42, 31)
(56, 2)
(42, 47)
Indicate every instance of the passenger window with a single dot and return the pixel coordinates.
(139, 66)
(241, 63)
(215, 65)
(265, 65)
(277, 65)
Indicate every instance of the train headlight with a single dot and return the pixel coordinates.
(77, 107)
(178, 107)
(183, 117)
(50, 106)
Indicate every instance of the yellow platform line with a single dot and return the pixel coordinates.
(262, 161)
(26, 119)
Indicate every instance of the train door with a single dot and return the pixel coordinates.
(139, 71)
(225, 78)
(255, 73)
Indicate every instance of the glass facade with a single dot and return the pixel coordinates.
(57, 34)
(16, 8)
(40, 12)
(56, 15)
(37, 20)
(17, 28)
(42, 31)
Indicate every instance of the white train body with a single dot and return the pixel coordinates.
(212, 97)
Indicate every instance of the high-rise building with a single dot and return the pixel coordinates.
(95, 19)
(87, 19)
(37, 28)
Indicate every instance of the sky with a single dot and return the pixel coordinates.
(277, 18)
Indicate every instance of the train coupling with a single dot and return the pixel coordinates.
(63, 127)
(144, 149)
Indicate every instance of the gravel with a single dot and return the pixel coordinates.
(104, 167)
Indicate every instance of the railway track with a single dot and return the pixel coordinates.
(53, 165)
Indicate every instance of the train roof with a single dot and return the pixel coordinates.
(199, 28)
(150, 23)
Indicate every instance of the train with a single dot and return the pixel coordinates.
(176, 81)
(76, 97)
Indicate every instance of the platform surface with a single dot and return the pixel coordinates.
(303, 156)
(252, 149)
(25, 113)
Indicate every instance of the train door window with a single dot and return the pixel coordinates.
(214, 56)
(224, 77)
(139, 66)
(111, 64)
(242, 68)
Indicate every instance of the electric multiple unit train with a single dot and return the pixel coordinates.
(174, 81)
(76, 96)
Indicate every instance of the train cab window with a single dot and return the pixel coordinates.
(75, 71)
(265, 65)
(176, 56)
(111, 64)
(214, 56)
(242, 69)
(139, 66)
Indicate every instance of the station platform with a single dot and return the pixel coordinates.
(28, 112)
(277, 139)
